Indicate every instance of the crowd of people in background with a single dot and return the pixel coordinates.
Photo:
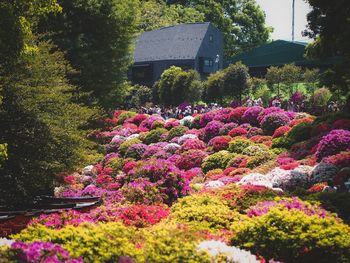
(185, 109)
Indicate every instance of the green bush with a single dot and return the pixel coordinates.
(125, 145)
(125, 115)
(218, 160)
(116, 164)
(300, 132)
(204, 211)
(176, 86)
(293, 236)
(282, 142)
(153, 136)
(176, 132)
(260, 158)
(239, 145)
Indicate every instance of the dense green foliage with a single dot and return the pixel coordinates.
(44, 137)
(156, 14)
(293, 236)
(97, 37)
(329, 25)
(176, 86)
(231, 82)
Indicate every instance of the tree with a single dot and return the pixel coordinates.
(311, 79)
(215, 87)
(236, 80)
(176, 86)
(156, 14)
(241, 21)
(41, 122)
(139, 96)
(287, 75)
(98, 37)
(18, 19)
(329, 26)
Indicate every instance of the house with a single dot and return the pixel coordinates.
(196, 46)
(278, 53)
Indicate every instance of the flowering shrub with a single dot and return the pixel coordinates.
(217, 160)
(191, 159)
(176, 132)
(114, 240)
(295, 237)
(212, 129)
(220, 251)
(125, 115)
(38, 252)
(237, 132)
(340, 160)
(254, 131)
(238, 145)
(273, 121)
(164, 175)
(264, 207)
(192, 144)
(227, 128)
(136, 151)
(251, 115)
(204, 211)
(333, 143)
(281, 131)
(236, 114)
(153, 136)
(126, 144)
(219, 143)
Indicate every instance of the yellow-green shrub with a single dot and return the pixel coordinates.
(204, 211)
(218, 160)
(93, 242)
(171, 242)
(238, 145)
(293, 236)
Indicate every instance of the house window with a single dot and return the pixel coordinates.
(211, 38)
(208, 62)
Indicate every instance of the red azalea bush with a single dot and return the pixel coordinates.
(219, 143)
(191, 159)
(192, 144)
(143, 215)
(281, 131)
(302, 120)
(341, 124)
(236, 114)
(340, 160)
(238, 132)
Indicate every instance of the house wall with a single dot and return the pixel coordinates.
(158, 68)
(210, 49)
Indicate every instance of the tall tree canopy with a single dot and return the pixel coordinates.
(98, 37)
(241, 21)
(329, 25)
(156, 14)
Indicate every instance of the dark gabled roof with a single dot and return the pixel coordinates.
(277, 53)
(179, 42)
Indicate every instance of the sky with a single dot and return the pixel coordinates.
(279, 16)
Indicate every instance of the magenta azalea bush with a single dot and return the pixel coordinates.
(333, 143)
